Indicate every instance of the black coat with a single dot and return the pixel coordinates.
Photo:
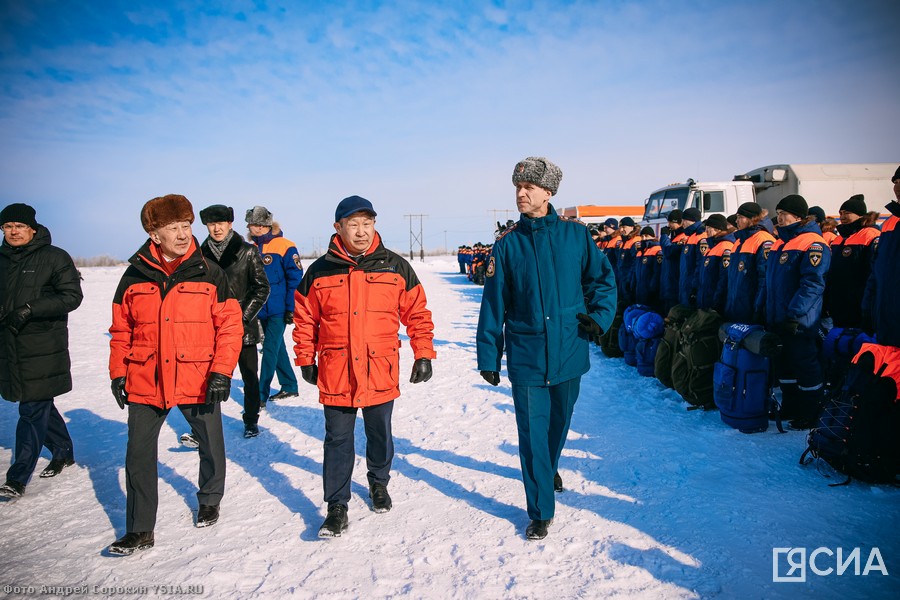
(34, 365)
(247, 277)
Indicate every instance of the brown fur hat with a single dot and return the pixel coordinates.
(161, 211)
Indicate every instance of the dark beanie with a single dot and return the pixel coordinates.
(717, 222)
(674, 216)
(794, 204)
(896, 175)
(648, 231)
(749, 210)
(818, 212)
(626, 221)
(691, 214)
(610, 222)
(217, 213)
(19, 213)
(856, 205)
(732, 220)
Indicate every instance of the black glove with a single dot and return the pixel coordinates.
(421, 371)
(310, 374)
(288, 318)
(119, 393)
(788, 328)
(218, 388)
(492, 377)
(17, 318)
(588, 325)
(663, 231)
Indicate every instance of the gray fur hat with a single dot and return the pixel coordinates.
(259, 215)
(539, 171)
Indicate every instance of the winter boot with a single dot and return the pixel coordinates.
(56, 466)
(381, 500)
(284, 395)
(335, 523)
(538, 529)
(11, 490)
(251, 430)
(207, 515)
(189, 441)
(131, 543)
(557, 483)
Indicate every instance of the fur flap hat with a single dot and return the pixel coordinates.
(161, 211)
(259, 215)
(539, 171)
(217, 213)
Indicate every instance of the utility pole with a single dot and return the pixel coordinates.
(505, 211)
(416, 239)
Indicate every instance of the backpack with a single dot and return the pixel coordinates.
(627, 339)
(609, 341)
(662, 362)
(648, 330)
(742, 387)
(838, 347)
(857, 431)
(698, 350)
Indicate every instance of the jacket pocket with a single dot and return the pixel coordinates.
(193, 303)
(383, 365)
(383, 292)
(333, 294)
(140, 372)
(334, 378)
(191, 369)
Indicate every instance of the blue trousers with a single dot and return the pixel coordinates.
(40, 424)
(275, 359)
(543, 415)
(799, 372)
(337, 468)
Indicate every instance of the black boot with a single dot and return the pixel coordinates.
(56, 466)
(557, 482)
(207, 515)
(11, 490)
(538, 529)
(336, 522)
(131, 543)
(381, 500)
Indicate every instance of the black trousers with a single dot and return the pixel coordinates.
(337, 468)
(40, 424)
(142, 455)
(248, 364)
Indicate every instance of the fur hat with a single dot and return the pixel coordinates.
(818, 212)
(691, 214)
(749, 210)
(539, 171)
(611, 222)
(794, 204)
(217, 213)
(856, 205)
(19, 213)
(717, 222)
(259, 215)
(161, 211)
(675, 216)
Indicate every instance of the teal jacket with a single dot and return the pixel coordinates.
(541, 273)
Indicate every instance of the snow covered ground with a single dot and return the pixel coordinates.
(659, 502)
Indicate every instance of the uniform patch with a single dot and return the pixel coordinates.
(741, 266)
(766, 247)
(847, 251)
(267, 259)
(815, 257)
(726, 260)
(686, 249)
(297, 261)
(706, 262)
(875, 244)
(704, 247)
(491, 268)
(783, 258)
(644, 261)
(659, 259)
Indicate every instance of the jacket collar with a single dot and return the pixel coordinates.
(848, 229)
(228, 256)
(146, 261)
(789, 232)
(548, 220)
(41, 238)
(336, 250)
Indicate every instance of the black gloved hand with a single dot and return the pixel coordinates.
(288, 318)
(588, 325)
(218, 388)
(17, 318)
(788, 328)
(310, 374)
(664, 231)
(118, 389)
(421, 371)
(492, 377)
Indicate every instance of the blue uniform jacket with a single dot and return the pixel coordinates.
(283, 268)
(672, 246)
(712, 271)
(745, 279)
(881, 302)
(541, 273)
(687, 270)
(795, 276)
(647, 269)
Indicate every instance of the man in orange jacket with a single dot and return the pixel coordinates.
(176, 336)
(347, 313)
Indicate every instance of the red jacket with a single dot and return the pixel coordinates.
(349, 314)
(170, 332)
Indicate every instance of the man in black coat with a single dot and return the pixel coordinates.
(247, 277)
(39, 287)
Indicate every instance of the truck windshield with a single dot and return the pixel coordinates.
(661, 203)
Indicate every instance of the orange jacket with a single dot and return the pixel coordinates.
(349, 313)
(170, 332)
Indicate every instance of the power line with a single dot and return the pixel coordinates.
(416, 239)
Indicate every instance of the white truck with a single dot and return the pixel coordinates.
(825, 185)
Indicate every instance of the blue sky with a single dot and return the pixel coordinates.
(423, 108)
